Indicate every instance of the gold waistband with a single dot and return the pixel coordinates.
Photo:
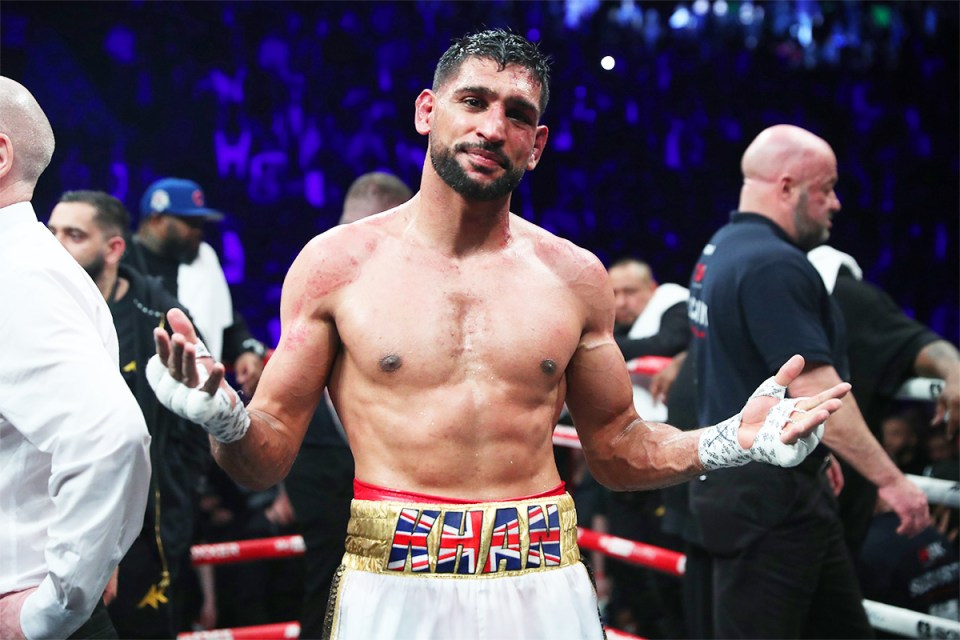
(487, 539)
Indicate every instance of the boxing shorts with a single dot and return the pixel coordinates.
(425, 567)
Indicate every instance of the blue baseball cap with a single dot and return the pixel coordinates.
(177, 197)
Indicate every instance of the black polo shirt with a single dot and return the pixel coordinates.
(755, 300)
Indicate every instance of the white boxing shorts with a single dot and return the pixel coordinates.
(430, 569)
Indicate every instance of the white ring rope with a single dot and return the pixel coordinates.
(912, 389)
(920, 389)
(939, 491)
(911, 624)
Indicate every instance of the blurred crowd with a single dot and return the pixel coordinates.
(274, 108)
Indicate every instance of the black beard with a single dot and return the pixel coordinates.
(95, 268)
(178, 250)
(446, 165)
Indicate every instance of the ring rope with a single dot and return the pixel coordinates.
(247, 550)
(938, 491)
(275, 631)
(282, 630)
(911, 624)
(882, 616)
(920, 389)
(912, 389)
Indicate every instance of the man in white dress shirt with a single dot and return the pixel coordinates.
(74, 461)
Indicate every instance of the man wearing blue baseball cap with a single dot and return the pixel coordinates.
(172, 213)
(169, 244)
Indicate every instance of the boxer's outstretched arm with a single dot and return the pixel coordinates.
(257, 445)
(625, 452)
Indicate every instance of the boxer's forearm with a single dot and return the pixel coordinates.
(262, 457)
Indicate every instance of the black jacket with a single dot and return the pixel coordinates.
(237, 338)
(180, 450)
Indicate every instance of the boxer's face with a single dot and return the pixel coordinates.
(483, 128)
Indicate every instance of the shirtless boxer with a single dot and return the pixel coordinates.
(450, 333)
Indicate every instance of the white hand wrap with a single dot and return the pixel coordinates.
(225, 420)
(720, 448)
(201, 351)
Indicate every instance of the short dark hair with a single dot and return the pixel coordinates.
(501, 46)
(111, 216)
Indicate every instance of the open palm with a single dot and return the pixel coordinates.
(806, 414)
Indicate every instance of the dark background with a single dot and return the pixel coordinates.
(275, 107)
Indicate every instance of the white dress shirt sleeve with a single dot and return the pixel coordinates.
(74, 415)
